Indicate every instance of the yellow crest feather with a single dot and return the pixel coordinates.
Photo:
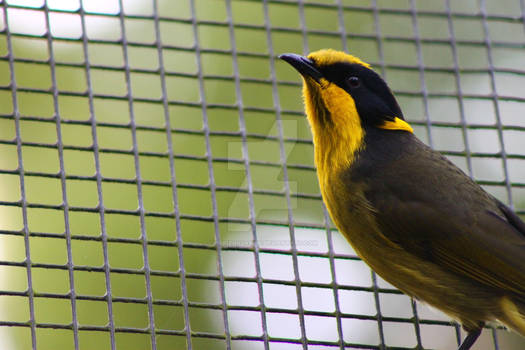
(327, 57)
(397, 124)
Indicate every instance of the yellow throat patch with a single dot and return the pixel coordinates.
(335, 123)
(327, 101)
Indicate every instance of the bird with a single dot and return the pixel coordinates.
(414, 217)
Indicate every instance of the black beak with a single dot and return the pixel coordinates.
(303, 66)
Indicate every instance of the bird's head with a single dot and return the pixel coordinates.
(344, 97)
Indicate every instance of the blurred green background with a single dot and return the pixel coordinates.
(205, 114)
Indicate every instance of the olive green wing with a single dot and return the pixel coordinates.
(430, 208)
(484, 245)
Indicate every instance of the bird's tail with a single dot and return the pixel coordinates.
(513, 314)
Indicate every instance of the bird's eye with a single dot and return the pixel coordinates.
(354, 82)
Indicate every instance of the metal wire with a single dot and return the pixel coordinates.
(62, 174)
(16, 115)
(173, 318)
(143, 235)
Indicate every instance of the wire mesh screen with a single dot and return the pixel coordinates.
(157, 181)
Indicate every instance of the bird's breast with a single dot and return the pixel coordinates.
(351, 212)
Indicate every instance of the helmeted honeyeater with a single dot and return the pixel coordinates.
(414, 217)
